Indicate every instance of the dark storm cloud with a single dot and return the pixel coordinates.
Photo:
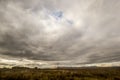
(29, 30)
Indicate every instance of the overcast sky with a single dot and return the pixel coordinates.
(44, 33)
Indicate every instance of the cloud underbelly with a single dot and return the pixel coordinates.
(85, 32)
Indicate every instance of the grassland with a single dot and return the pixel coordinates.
(60, 74)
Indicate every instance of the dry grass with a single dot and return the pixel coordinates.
(60, 74)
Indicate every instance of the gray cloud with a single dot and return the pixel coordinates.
(88, 31)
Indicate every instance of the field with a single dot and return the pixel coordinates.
(60, 74)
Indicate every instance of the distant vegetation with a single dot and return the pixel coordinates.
(21, 73)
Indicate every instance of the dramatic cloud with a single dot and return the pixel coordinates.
(64, 32)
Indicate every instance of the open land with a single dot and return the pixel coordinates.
(92, 73)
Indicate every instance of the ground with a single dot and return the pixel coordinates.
(93, 73)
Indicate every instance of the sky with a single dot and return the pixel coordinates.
(50, 33)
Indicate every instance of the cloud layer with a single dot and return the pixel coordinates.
(64, 31)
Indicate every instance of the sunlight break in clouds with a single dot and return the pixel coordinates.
(45, 33)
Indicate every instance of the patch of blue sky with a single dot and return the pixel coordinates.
(70, 22)
(57, 15)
